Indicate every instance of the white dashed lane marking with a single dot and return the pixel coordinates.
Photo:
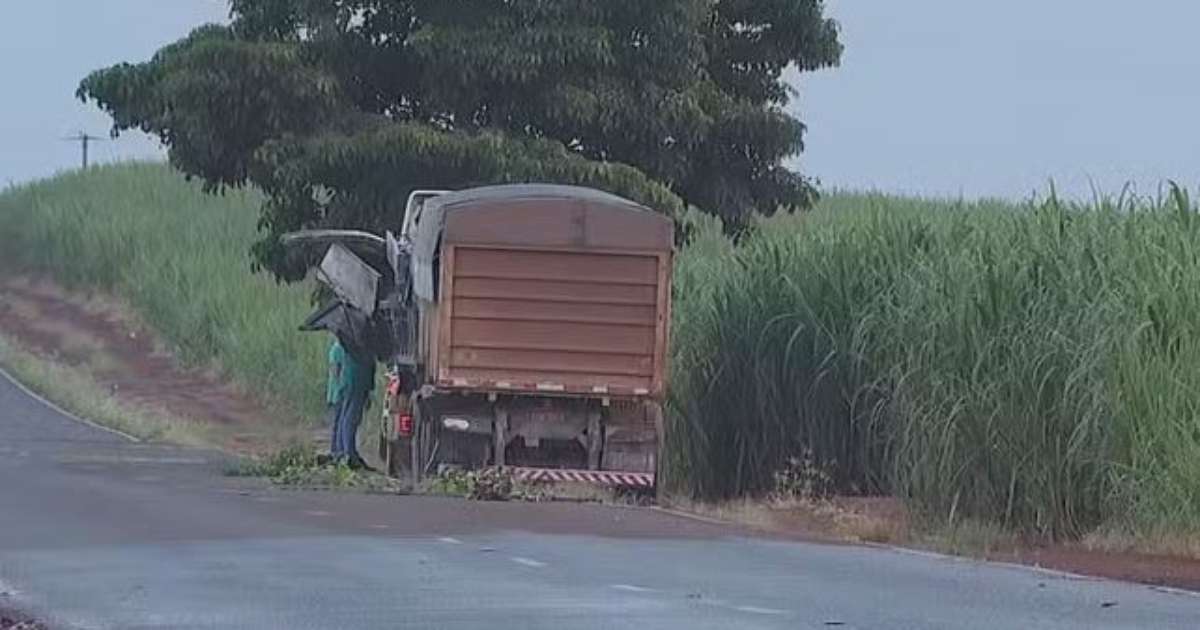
(760, 611)
(316, 512)
(631, 588)
(628, 588)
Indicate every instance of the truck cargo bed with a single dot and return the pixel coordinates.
(551, 320)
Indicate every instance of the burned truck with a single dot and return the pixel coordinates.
(523, 326)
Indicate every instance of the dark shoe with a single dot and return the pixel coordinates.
(357, 463)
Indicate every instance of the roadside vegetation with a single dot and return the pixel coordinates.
(76, 392)
(299, 466)
(1036, 366)
(1031, 367)
(180, 259)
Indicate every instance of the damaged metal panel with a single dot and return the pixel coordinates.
(351, 328)
(398, 260)
(426, 246)
(351, 279)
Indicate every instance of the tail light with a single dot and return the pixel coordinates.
(404, 424)
(399, 405)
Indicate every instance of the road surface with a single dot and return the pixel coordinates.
(99, 532)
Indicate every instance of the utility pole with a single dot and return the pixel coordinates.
(83, 139)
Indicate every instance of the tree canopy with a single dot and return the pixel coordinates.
(337, 109)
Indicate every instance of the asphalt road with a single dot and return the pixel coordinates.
(98, 532)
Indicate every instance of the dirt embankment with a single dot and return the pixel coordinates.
(95, 334)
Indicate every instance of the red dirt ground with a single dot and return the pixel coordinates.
(1149, 569)
(125, 357)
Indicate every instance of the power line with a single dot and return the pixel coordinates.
(84, 139)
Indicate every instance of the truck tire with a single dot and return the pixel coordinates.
(417, 443)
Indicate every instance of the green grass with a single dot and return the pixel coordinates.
(180, 258)
(1035, 366)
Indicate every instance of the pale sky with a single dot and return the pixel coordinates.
(47, 46)
(937, 97)
(991, 98)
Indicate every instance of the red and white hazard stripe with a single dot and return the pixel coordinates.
(599, 477)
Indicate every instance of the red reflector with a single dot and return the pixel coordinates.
(404, 425)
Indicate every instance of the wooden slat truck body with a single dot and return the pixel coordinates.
(530, 326)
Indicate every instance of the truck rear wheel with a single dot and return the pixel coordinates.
(420, 435)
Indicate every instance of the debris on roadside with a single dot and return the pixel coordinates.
(13, 621)
(300, 467)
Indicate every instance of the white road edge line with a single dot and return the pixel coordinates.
(528, 562)
(450, 541)
(62, 412)
(631, 588)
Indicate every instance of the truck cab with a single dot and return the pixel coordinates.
(412, 211)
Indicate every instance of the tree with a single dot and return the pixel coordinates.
(337, 109)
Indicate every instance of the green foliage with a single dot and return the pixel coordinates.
(489, 484)
(299, 466)
(337, 109)
(391, 156)
(283, 463)
(1034, 366)
(179, 258)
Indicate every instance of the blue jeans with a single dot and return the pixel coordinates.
(335, 410)
(345, 427)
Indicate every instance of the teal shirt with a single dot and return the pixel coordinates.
(337, 361)
(347, 376)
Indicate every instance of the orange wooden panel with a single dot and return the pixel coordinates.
(471, 262)
(528, 380)
(553, 363)
(558, 222)
(533, 310)
(601, 338)
(574, 292)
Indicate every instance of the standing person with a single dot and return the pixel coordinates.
(354, 392)
(337, 357)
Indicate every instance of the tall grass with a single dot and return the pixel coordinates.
(1035, 365)
(180, 258)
